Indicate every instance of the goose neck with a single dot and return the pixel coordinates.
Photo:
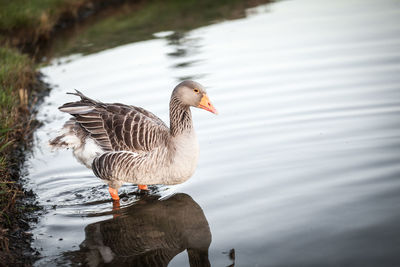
(180, 117)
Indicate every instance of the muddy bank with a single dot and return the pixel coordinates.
(17, 204)
(33, 35)
(22, 91)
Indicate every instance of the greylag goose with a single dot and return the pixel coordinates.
(149, 233)
(123, 143)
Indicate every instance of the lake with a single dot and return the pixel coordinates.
(300, 168)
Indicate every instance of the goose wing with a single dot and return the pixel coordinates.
(117, 127)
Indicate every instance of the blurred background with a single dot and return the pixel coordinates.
(300, 168)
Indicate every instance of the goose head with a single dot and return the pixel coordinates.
(191, 93)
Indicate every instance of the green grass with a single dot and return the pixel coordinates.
(17, 77)
(17, 73)
(21, 21)
(31, 14)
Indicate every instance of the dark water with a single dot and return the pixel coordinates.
(149, 233)
(301, 167)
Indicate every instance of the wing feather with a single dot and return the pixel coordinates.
(117, 127)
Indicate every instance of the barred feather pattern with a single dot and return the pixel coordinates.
(154, 166)
(136, 146)
(117, 126)
(144, 168)
(180, 117)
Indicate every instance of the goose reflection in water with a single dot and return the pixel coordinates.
(149, 233)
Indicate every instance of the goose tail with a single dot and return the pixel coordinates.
(68, 137)
(84, 106)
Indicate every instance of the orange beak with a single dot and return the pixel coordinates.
(205, 103)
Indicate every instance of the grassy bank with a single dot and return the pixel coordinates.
(17, 76)
(17, 82)
(30, 24)
(26, 23)
(24, 26)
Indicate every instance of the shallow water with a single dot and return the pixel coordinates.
(300, 167)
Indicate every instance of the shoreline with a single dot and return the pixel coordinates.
(23, 41)
(21, 91)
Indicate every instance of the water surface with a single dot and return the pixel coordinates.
(300, 168)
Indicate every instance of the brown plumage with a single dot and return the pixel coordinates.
(117, 127)
(123, 143)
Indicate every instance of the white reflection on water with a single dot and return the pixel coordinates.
(301, 167)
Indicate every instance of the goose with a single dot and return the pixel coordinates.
(128, 144)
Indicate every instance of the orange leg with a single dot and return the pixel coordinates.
(113, 193)
(142, 187)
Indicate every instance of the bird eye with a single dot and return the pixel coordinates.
(196, 90)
